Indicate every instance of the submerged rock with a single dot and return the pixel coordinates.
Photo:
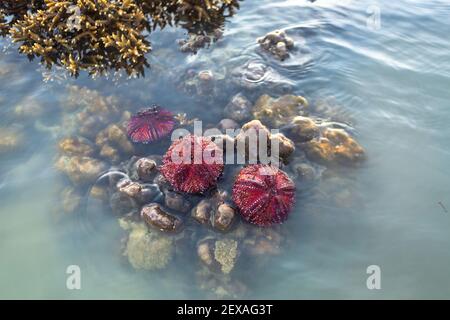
(93, 111)
(143, 169)
(121, 204)
(277, 43)
(76, 146)
(334, 147)
(158, 218)
(255, 76)
(346, 150)
(256, 143)
(225, 253)
(99, 193)
(70, 200)
(220, 285)
(113, 143)
(176, 201)
(286, 146)
(224, 217)
(203, 211)
(263, 242)
(11, 140)
(80, 170)
(205, 252)
(146, 249)
(279, 112)
(195, 42)
(28, 108)
(203, 83)
(303, 129)
(253, 136)
(250, 75)
(227, 124)
(239, 108)
(130, 188)
(304, 172)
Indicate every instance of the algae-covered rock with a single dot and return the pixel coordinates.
(11, 140)
(303, 129)
(99, 193)
(86, 112)
(146, 249)
(276, 112)
(277, 43)
(346, 150)
(113, 143)
(80, 170)
(70, 200)
(225, 253)
(334, 147)
(195, 42)
(110, 153)
(76, 146)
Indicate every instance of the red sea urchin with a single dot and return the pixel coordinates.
(264, 194)
(192, 164)
(150, 124)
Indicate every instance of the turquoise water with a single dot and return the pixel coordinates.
(391, 80)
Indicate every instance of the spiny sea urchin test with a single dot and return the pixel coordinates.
(264, 194)
(192, 164)
(150, 124)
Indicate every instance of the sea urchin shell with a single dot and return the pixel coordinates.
(264, 194)
(150, 124)
(192, 164)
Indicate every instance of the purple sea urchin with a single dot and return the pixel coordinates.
(187, 175)
(150, 124)
(264, 194)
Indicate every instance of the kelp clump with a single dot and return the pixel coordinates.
(103, 35)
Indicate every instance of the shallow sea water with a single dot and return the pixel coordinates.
(392, 82)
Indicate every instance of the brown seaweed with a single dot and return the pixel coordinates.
(99, 36)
